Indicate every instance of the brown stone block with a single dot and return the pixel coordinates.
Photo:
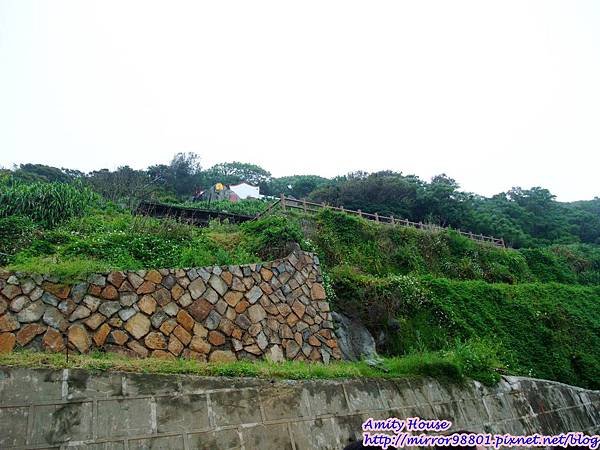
(175, 346)
(222, 356)
(332, 343)
(138, 348)
(191, 354)
(7, 342)
(182, 334)
(126, 287)
(227, 277)
(9, 323)
(147, 287)
(10, 291)
(168, 326)
(314, 341)
(226, 326)
(109, 293)
(298, 308)
(59, 290)
(53, 341)
(119, 337)
(237, 333)
(292, 319)
(154, 276)
(185, 320)
(233, 298)
(176, 292)
(200, 309)
(95, 320)
(200, 330)
(266, 288)
(95, 290)
(116, 279)
(28, 332)
(266, 274)
(253, 349)
(118, 350)
(79, 337)
(314, 355)
(200, 345)
(155, 341)
(161, 354)
(237, 285)
(138, 325)
(101, 335)
(216, 338)
(147, 304)
(317, 292)
(241, 306)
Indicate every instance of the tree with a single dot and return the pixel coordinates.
(41, 172)
(125, 185)
(299, 186)
(183, 176)
(236, 172)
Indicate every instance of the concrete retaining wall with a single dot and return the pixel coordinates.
(275, 309)
(117, 411)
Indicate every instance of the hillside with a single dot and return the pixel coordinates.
(530, 311)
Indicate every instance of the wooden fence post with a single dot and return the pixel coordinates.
(376, 217)
(304, 204)
(392, 219)
(359, 213)
(282, 198)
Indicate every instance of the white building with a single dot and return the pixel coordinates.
(245, 190)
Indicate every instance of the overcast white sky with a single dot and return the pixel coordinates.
(495, 94)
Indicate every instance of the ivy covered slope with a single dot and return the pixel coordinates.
(535, 310)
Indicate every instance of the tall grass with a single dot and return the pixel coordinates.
(46, 204)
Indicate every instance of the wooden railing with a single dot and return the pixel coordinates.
(285, 203)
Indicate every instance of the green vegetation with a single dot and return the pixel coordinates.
(115, 240)
(547, 330)
(525, 218)
(454, 365)
(248, 207)
(346, 240)
(46, 204)
(540, 307)
(448, 306)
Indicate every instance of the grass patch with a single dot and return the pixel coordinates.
(444, 365)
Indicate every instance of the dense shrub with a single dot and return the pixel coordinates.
(546, 330)
(46, 204)
(270, 237)
(16, 233)
(248, 207)
(119, 240)
(380, 250)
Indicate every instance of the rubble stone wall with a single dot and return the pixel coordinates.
(77, 409)
(276, 310)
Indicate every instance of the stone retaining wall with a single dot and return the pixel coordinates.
(276, 310)
(76, 409)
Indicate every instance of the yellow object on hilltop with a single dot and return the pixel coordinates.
(219, 187)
